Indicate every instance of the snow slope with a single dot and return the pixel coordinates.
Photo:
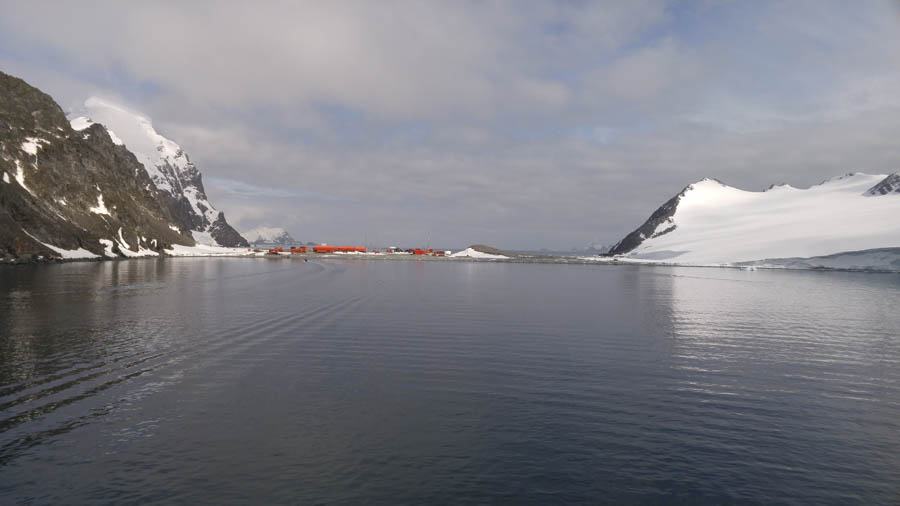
(168, 166)
(472, 253)
(68, 254)
(153, 150)
(714, 223)
(206, 250)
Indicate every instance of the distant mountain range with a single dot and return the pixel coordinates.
(269, 235)
(710, 222)
(81, 190)
(595, 248)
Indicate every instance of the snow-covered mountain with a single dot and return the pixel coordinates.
(712, 223)
(67, 193)
(269, 235)
(168, 166)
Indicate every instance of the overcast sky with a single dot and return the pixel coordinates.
(517, 124)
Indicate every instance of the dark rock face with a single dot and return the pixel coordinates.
(68, 188)
(225, 235)
(481, 248)
(890, 184)
(645, 231)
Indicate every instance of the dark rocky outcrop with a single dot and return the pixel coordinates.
(481, 248)
(225, 234)
(663, 214)
(890, 184)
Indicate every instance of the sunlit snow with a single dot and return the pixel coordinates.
(471, 253)
(20, 177)
(101, 207)
(81, 123)
(716, 223)
(206, 250)
(122, 240)
(107, 247)
(70, 254)
(31, 145)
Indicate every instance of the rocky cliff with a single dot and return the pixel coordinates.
(67, 193)
(177, 178)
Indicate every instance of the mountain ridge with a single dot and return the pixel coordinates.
(169, 167)
(711, 222)
(269, 235)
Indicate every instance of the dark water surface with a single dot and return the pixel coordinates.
(277, 381)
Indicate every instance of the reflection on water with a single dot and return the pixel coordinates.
(236, 380)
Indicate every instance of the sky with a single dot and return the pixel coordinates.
(517, 124)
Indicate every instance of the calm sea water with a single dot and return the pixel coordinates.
(278, 381)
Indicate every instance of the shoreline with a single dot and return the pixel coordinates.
(519, 259)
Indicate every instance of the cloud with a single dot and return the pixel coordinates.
(650, 77)
(247, 190)
(516, 123)
(395, 60)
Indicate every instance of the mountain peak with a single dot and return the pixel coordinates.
(710, 180)
(151, 149)
(168, 166)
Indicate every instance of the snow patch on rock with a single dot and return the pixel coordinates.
(122, 240)
(101, 207)
(20, 177)
(80, 123)
(32, 144)
(69, 254)
(107, 247)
